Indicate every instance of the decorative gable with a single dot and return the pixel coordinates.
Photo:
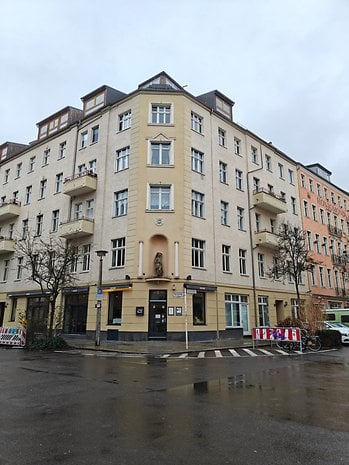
(161, 81)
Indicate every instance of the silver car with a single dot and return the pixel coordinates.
(340, 327)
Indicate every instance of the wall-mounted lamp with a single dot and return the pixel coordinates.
(188, 278)
(127, 276)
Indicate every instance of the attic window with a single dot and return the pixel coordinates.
(94, 103)
(223, 107)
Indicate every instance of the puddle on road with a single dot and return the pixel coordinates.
(298, 393)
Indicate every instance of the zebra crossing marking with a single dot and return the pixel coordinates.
(266, 352)
(185, 355)
(218, 353)
(201, 355)
(234, 353)
(282, 352)
(249, 352)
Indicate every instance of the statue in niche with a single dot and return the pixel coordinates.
(159, 271)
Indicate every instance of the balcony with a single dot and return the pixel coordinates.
(266, 239)
(76, 228)
(6, 245)
(334, 231)
(80, 184)
(269, 201)
(10, 210)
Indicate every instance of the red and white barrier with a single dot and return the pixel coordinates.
(276, 334)
(13, 336)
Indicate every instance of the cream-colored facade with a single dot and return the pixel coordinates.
(185, 202)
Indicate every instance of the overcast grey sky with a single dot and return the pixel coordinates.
(285, 63)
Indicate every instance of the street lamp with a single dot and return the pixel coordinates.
(100, 254)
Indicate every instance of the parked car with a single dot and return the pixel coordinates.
(341, 328)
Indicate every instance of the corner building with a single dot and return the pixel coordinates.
(185, 202)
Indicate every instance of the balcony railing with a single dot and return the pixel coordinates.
(266, 239)
(269, 201)
(80, 184)
(79, 227)
(10, 209)
(335, 231)
(7, 245)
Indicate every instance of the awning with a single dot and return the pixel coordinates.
(200, 287)
(36, 293)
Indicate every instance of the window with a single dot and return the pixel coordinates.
(272, 225)
(78, 211)
(92, 166)
(160, 197)
(270, 189)
(221, 137)
(43, 187)
(28, 194)
(240, 218)
(321, 274)
(314, 212)
(322, 216)
(46, 157)
(237, 146)
(238, 179)
(256, 184)
(161, 114)
(5, 270)
(254, 155)
(224, 213)
(197, 204)
(199, 308)
(332, 198)
(268, 164)
(86, 257)
(160, 153)
(197, 161)
(223, 172)
(312, 276)
(90, 208)
(317, 243)
(226, 258)
(6, 176)
(291, 176)
(118, 251)
(325, 246)
(125, 120)
(263, 311)
(32, 163)
(325, 193)
(236, 311)
(55, 221)
(198, 253)
(25, 226)
(19, 267)
(302, 180)
(276, 267)
(306, 208)
(74, 262)
(94, 134)
(281, 170)
(196, 123)
(62, 150)
(258, 221)
(115, 308)
(261, 267)
(318, 189)
(18, 170)
(329, 277)
(11, 228)
(38, 226)
(311, 185)
(242, 262)
(83, 139)
(120, 202)
(58, 183)
(15, 196)
(122, 159)
(82, 169)
(293, 204)
(309, 240)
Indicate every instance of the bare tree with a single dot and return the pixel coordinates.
(292, 258)
(51, 264)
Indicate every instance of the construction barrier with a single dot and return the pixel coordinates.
(13, 336)
(276, 334)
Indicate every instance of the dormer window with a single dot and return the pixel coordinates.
(94, 103)
(223, 107)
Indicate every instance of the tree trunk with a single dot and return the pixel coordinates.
(52, 317)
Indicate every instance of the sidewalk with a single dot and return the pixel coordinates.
(157, 347)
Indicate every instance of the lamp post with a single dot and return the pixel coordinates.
(100, 254)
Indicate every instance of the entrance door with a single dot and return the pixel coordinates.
(75, 314)
(157, 324)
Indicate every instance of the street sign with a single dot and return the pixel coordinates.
(99, 295)
(178, 294)
(191, 291)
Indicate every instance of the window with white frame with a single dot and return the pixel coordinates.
(160, 197)
(263, 311)
(224, 213)
(46, 157)
(6, 175)
(62, 150)
(221, 137)
(160, 114)
(258, 222)
(302, 180)
(78, 211)
(19, 268)
(122, 158)
(261, 265)
(197, 204)
(309, 240)
(236, 311)
(83, 139)
(317, 243)
(55, 221)
(321, 275)
(197, 123)
(90, 208)
(243, 262)
(39, 225)
(197, 161)
(11, 228)
(240, 218)
(237, 146)
(86, 257)
(223, 172)
(25, 228)
(256, 184)
(281, 170)
(118, 252)
(125, 120)
(325, 245)
(311, 185)
(5, 270)
(59, 183)
(43, 187)
(18, 169)
(94, 134)
(92, 166)
(198, 253)
(226, 258)
(32, 161)
(238, 179)
(314, 212)
(312, 276)
(74, 261)
(291, 176)
(160, 153)
(268, 164)
(329, 277)
(306, 208)
(121, 202)
(254, 155)
(294, 205)
(28, 195)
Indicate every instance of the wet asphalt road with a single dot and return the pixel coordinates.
(76, 409)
